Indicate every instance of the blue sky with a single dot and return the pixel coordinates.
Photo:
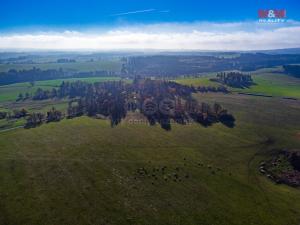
(80, 13)
(141, 24)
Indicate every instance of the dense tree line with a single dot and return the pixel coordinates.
(19, 113)
(41, 94)
(15, 114)
(37, 118)
(65, 60)
(36, 74)
(3, 115)
(234, 79)
(33, 119)
(186, 65)
(204, 89)
(160, 101)
(293, 70)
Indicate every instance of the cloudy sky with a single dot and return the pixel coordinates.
(140, 25)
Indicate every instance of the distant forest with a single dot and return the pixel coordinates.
(36, 74)
(293, 70)
(173, 66)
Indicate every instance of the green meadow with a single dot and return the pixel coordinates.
(268, 82)
(274, 84)
(82, 171)
(11, 92)
(199, 81)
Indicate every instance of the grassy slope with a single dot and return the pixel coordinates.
(82, 171)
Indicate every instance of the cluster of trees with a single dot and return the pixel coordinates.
(36, 74)
(76, 89)
(186, 111)
(207, 115)
(234, 79)
(23, 97)
(33, 119)
(19, 113)
(106, 98)
(160, 101)
(3, 115)
(41, 94)
(37, 118)
(16, 114)
(293, 70)
(54, 115)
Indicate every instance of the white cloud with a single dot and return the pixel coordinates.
(166, 36)
(133, 12)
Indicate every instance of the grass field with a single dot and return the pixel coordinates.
(82, 171)
(11, 92)
(274, 84)
(269, 81)
(201, 81)
(110, 65)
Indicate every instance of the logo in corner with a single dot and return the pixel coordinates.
(272, 15)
